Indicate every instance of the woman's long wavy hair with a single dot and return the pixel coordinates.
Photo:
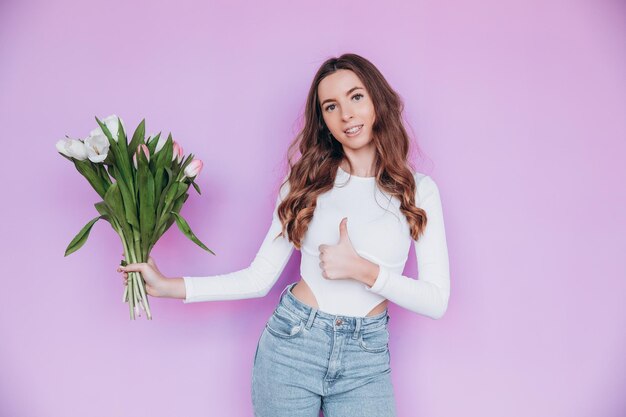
(321, 154)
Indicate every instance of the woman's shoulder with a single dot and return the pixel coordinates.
(422, 179)
(284, 187)
(424, 185)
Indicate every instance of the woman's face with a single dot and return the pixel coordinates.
(346, 104)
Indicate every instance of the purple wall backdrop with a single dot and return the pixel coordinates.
(518, 106)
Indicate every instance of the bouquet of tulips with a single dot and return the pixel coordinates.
(143, 185)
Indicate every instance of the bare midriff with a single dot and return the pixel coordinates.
(303, 293)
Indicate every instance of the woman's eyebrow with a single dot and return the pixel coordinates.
(348, 93)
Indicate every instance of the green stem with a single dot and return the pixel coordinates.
(130, 258)
(134, 292)
(144, 299)
(140, 292)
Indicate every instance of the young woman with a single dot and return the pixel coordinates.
(352, 205)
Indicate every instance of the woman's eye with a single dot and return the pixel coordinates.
(359, 95)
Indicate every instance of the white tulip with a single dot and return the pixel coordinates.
(111, 124)
(97, 147)
(76, 149)
(61, 147)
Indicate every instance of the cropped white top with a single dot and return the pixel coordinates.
(378, 232)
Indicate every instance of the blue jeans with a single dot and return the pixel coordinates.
(307, 359)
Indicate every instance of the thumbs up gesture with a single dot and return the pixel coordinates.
(339, 261)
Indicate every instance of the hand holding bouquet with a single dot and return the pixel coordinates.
(143, 186)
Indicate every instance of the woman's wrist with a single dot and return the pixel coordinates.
(367, 272)
(175, 288)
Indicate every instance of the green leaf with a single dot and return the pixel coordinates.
(69, 158)
(129, 205)
(196, 187)
(87, 169)
(110, 159)
(113, 199)
(80, 239)
(176, 208)
(184, 227)
(114, 204)
(111, 171)
(122, 161)
(164, 157)
(102, 208)
(146, 202)
(160, 182)
(121, 138)
(138, 138)
(182, 189)
(104, 175)
(168, 151)
(152, 143)
(186, 162)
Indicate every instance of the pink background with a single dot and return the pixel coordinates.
(518, 107)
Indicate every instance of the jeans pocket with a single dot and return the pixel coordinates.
(376, 341)
(284, 324)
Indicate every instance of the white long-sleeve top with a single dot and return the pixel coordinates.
(378, 232)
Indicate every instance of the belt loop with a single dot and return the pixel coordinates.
(309, 322)
(358, 328)
(280, 297)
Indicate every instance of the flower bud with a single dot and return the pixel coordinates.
(145, 150)
(61, 147)
(193, 169)
(76, 149)
(111, 123)
(177, 152)
(141, 148)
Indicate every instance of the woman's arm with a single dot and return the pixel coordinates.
(429, 294)
(251, 282)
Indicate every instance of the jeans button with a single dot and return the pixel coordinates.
(338, 322)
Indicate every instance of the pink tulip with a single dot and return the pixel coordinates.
(146, 151)
(177, 152)
(193, 169)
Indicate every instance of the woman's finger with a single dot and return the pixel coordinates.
(138, 267)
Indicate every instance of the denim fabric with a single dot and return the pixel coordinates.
(307, 359)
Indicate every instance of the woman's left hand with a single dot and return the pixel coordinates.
(339, 261)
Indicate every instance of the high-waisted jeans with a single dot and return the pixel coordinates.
(307, 359)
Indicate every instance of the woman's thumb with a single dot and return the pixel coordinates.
(133, 267)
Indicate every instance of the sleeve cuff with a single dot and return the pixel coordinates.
(381, 280)
(188, 289)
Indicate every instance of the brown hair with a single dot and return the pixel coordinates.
(321, 154)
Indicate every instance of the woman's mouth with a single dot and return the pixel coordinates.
(353, 131)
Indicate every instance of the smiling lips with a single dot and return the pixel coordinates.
(353, 130)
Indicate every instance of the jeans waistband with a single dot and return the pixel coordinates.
(332, 321)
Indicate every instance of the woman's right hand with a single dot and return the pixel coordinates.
(156, 283)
